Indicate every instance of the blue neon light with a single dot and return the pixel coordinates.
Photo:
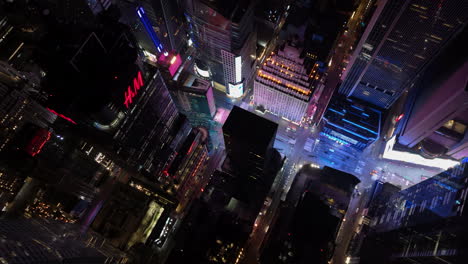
(335, 139)
(333, 110)
(364, 114)
(349, 131)
(358, 108)
(149, 29)
(365, 128)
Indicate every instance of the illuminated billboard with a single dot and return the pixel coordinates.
(235, 90)
(172, 61)
(238, 65)
(417, 159)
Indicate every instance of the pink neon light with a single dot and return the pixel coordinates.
(399, 117)
(131, 93)
(62, 116)
(172, 61)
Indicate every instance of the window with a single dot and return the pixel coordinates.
(455, 126)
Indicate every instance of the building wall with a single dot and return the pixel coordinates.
(447, 101)
(148, 127)
(402, 38)
(282, 86)
(423, 223)
(279, 103)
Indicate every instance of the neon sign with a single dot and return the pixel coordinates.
(149, 29)
(37, 143)
(62, 116)
(399, 117)
(133, 91)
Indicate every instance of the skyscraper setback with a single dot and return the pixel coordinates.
(435, 120)
(282, 86)
(400, 39)
(424, 223)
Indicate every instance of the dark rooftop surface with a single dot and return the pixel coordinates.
(249, 127)
(340, 179)
(230, 9)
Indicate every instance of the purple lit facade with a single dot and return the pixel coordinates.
(399, 41)
(282, 86)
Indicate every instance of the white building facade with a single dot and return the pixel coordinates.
(282, 86)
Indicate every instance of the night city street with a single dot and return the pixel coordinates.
(234, 131)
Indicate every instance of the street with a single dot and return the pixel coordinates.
(300, 146)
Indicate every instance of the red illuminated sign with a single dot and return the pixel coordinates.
(399, 117)
(62, 116)
(37, 143)
(133, 91)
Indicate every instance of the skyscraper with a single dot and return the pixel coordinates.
(400, 39)
(196, 99)
(435, 121)
(352, 124)
(425, 223)
(308, 221)
(156, 24)
(249, 141)
(217, 227)
(282, 86)
(53, 242)
(224, 34)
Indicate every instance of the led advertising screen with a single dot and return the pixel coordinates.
(235, 90)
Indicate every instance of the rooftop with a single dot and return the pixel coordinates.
(230, 9)
(249, 127)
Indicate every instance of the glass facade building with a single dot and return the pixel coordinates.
(400, 39)
(425, 223)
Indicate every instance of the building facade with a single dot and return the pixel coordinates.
(434, 123)
(282, 86)
(400, 39)
(223, 32)
(351, 124)
(423, 223)
(309, 219)
(218, 226)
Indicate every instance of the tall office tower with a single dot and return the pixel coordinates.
(400, 39)
(145, 133)
(249, 140)
(376, 204)
(159, 25)
(347, 129)
(169, 23)
(309, 220)
(425, 223)
(352, 124)
(46, 241)
(224, 34)
(434, 123)
(188, 167)
(217, 227)
(283, 86)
